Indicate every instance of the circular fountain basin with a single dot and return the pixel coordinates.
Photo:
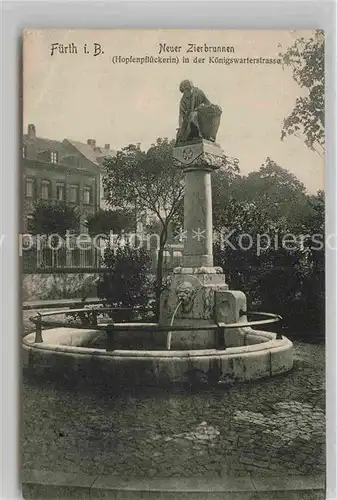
(72, 352)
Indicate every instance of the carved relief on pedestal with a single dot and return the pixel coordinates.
(200, 154)
(186, 294)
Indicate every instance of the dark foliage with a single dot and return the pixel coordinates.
(127, 283)
(287, 279)
(105, 221)
(51, 217)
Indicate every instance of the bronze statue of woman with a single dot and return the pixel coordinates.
(193, 103)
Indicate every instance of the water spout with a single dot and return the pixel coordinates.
(169, 335)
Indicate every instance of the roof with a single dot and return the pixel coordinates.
(37, 147)
(41, 145)
(92, 153)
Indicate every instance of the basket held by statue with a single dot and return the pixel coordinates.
(209, 121)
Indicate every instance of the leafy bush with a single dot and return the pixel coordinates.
(127, 282)
(285, 282)
(107, 221)
(89, 317)
(54, 217)
(58, 286)
(289, 282)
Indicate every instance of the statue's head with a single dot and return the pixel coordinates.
(185, 294)
(185, 86)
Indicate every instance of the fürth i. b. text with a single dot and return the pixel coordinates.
(56, 48)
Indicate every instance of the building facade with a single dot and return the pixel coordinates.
(95, 155)
(67, 171)
(73, 172)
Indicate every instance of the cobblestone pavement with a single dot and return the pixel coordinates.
(267, 427)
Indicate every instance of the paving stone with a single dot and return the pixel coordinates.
(132, 434)
(290, 495)
(53, 492)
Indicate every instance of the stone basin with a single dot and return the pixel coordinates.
(72, 352)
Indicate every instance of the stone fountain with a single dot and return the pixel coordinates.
(203, 331)
(198, 286)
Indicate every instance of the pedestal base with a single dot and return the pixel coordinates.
(190, 301)
(198, 270)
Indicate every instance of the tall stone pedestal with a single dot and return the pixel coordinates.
(194, 285)
(198, 160)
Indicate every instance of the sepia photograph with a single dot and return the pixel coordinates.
(172, 250)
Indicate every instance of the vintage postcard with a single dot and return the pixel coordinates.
(173, 249)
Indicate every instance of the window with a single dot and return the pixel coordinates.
(60, 192)
(73, 193)
(29, 221)
(29, 188)
(87, 195)
(105, 193)
(45, 190)
(53, 157)
(24, 151)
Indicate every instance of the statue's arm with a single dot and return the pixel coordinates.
(181, 117)
(182, 111)
(205, 100)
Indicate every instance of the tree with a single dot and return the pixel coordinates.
(306, 57)
(103, 222)
(314, 223)
(246, 241)
(222, 182)
(259, 213)
(271, 193)
(151, 184)
(56, 218)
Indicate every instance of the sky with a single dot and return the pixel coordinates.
(77, 95)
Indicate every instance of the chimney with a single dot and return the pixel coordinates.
(91, 142)
(31, 131)
(107, 146)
